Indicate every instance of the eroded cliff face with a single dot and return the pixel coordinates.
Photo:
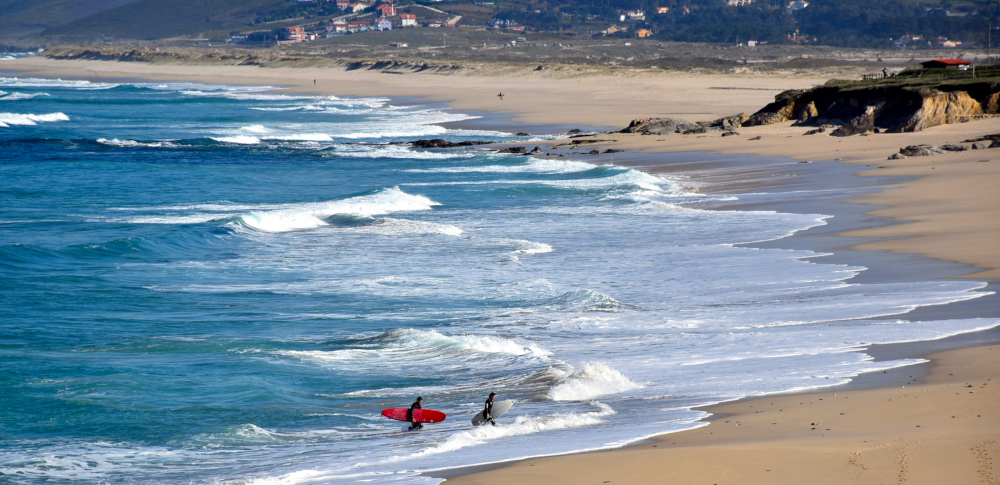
(893, 108)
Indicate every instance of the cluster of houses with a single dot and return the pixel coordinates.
(386, 18)
(919, 42)
(792, 6)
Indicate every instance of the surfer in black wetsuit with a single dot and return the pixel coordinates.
(488, 410)
(409, 414)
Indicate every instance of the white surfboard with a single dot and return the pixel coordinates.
(499, 408)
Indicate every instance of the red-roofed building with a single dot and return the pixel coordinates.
(408, 20)
(956, 64)
(295, 34)
(386, 10)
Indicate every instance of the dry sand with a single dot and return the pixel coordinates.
(943, 430)
(611, 99)
(938, 431)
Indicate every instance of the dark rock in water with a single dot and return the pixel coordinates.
(863, 123)
(897, 156)
(521, 150)
(754, 138)
(522, 134)
(730, 133)
(659, 126)
(979, 146)
(574, 131)
(594, 152)
(729, 122)
(695, 131)
(815, 131)
(536, 150)
(439, 143)
(954, 148)
(611, 150)
(920, 150)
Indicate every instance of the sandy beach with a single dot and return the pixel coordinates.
(942, 428)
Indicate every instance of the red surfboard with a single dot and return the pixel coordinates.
(419, 415)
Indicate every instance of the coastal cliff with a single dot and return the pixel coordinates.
(893, 107)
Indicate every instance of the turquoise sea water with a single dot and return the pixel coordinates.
(205, 284)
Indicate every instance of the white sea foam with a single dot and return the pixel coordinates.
(403, 345)
(532, 165)
(299, 137)
(406, 227)
(132, 143)
(7, 119)
(364, 150)
(4, 96)
(310, 216)
(636, 178)
(237, 140)
(14, 82)
(591, 380)
(255, 129)
(521, 246)
(522, 425)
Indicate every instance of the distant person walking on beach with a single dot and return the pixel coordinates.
(488, 410)
(500, 96)
(885, 72)
(409, 414)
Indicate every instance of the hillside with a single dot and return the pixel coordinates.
(886, 24)
(160, 19)
(25, 17)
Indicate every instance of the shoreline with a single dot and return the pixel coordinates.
(831, 247)
(870, 237)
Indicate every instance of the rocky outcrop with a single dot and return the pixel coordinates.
(941, 109)
(779, 111)
(920, 150)
(865, 108)
(863, 123)
(439, 143)
(660, 126)
(729, 122)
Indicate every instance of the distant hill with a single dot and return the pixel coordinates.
(19, 18)
(159, 19)
(887, 24)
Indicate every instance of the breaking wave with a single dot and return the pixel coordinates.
(7, 119)
(4, 96)
(310, 216)
(410, 344)
(592, 380)
(133, 143)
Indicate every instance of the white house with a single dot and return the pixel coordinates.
(797, 5)
(408, 20)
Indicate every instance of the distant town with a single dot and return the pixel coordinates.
(386, 15)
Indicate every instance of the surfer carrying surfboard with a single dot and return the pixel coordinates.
(488, 409)
(409, 414)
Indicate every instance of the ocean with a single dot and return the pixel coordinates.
(226, 284)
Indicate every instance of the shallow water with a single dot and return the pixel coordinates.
(226, 284)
